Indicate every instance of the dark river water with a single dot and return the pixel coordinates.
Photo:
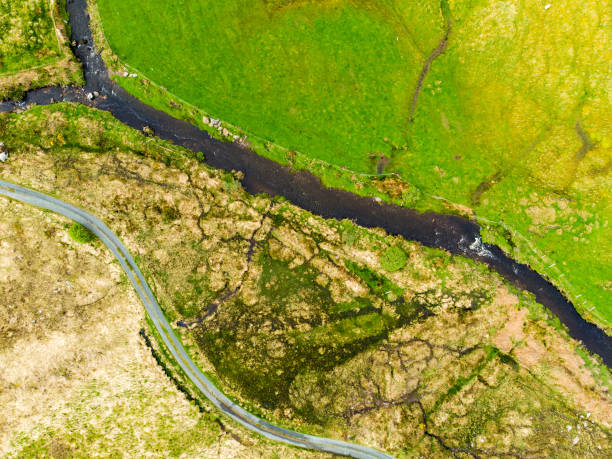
(456, 234)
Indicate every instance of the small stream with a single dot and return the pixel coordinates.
(456, 234)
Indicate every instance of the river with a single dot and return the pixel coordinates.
(456, 234)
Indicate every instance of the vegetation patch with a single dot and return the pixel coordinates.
(393, 259)
(301, 327)
(34, 47)
(29, 35)
(80, 234)
(350, 90)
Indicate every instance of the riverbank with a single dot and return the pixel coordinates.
(315, 306)
(535, 179)
(35, 52)
(261, 175)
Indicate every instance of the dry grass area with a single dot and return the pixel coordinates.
(299, 319)
(77, 379)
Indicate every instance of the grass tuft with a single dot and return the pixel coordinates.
(79, 233)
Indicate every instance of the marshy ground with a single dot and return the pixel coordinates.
(317, 324)
(78, 379)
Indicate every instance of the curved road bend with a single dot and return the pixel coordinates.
(223, 403)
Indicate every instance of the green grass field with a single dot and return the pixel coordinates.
(324, 77)
(512, 119)
(34, 48)
(28, 35)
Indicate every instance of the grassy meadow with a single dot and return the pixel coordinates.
(514, 122)
(328, 78)
(28, 35)
(34, 47)
(510, 124)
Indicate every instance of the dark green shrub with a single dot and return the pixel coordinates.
(169, 214)
(81, 234)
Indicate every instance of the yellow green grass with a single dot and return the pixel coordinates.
(511, 121)
(28, 35)
(34, 46)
